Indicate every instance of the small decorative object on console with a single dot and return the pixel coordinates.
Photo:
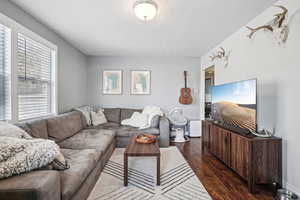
(263, 133)
(145, 139)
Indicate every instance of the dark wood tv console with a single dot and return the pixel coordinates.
(257, 160)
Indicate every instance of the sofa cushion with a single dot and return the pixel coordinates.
(113, 114)
(107, 126)
(127, 131)
(38, 128)
(127, 113)
(90, 139)
(64, 126)
(81, 162)
(83, 121)
(42, 184)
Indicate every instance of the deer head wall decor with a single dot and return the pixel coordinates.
(221, 55)
(276, 26)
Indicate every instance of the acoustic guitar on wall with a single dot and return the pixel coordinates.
(185, 97)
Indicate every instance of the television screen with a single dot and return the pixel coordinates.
(234, 104)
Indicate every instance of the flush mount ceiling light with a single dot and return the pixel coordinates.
(145, 9)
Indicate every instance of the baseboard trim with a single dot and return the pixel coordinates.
(293, 189)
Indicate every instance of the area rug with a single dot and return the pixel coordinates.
(178, 181)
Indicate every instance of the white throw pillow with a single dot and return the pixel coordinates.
(10, 130)
(98, 118)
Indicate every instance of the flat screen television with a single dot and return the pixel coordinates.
(234, 105)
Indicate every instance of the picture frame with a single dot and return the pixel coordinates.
(112, 82)
(140, 82)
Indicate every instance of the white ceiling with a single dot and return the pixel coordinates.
(109, 27)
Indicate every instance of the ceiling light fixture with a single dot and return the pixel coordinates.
(145, 9)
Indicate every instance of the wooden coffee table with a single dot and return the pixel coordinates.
(135, 149)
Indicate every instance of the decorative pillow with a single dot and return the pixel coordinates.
(10, 130)
(98, 118)
(59, 163)
(86, 112)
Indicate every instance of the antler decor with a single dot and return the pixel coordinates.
(280, 17)
(220, 55)
(254, 30)
(276, 23)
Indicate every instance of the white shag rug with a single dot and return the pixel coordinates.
(178, 181)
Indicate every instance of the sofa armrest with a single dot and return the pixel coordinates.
(164, 132)
(36, 185)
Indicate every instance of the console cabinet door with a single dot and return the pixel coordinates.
(214, 144)
(224, 146)
(207, 126)
(204, 134)
(240, 155)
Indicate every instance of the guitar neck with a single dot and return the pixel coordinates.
(185, 79)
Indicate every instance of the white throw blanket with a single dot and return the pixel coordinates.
(22, 155)
(143, 120)
(137, 119)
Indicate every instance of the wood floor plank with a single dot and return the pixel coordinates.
(220, 181)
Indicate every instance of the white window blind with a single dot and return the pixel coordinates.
(35, 81)
(5, 73)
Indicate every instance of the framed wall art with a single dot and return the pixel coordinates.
(140, 82)
(112, 82)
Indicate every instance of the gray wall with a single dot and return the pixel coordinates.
(277, 69)
(72, 73)
(166, 78)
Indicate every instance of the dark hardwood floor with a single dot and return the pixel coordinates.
(220, 181)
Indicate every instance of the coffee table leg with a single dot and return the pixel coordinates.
(158, 170)
(125, 170)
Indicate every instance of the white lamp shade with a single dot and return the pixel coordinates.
(145, 10)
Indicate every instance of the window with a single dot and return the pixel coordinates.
(35, 78)
(5, 73)
(27, 73)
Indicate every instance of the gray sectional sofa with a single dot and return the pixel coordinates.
(86, 148)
